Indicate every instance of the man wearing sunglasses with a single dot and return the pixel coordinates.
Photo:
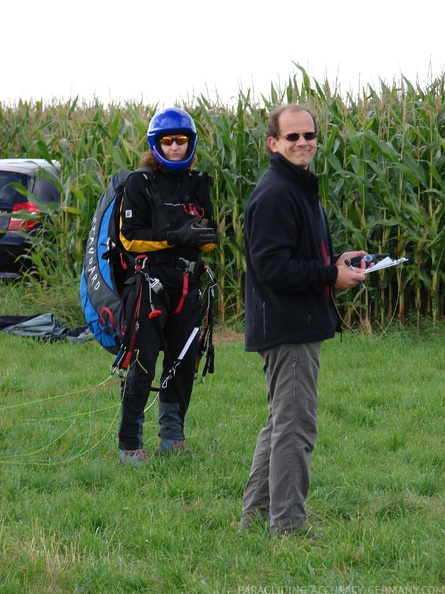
(167, 219)
(291, 275)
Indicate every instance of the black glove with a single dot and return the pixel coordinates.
(194, 232)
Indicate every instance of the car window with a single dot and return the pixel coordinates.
(8, 194)
(47, 191)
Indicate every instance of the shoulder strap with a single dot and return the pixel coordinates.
(159, 213)
(201, 183)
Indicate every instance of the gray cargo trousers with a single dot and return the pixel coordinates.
(279, 478)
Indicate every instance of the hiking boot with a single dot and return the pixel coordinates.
(172, 446)
(135, 457)
(303, 533)
(258, 517)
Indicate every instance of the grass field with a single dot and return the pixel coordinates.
(73, 520)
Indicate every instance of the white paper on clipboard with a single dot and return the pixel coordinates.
(385, 263)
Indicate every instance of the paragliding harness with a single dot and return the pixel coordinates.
(132, 296)
(104, 287)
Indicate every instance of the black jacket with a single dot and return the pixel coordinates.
(289, 260)
(146, 220)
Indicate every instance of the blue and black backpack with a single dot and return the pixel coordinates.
(104, 268)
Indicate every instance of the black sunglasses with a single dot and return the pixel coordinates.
(295, 136)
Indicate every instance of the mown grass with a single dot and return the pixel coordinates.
(74, 520)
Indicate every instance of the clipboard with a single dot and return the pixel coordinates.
(385, 263)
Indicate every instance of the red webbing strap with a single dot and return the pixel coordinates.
(185, 290)
(135, 324)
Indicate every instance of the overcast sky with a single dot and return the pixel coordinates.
(167, 51)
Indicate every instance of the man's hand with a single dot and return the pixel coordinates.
(348, 256)
(349, 276)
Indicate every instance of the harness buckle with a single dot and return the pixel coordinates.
(186, 266)
(140, 262)
(156, 285)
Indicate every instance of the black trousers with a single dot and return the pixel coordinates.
(177, 328)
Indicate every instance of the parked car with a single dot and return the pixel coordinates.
(38, 177)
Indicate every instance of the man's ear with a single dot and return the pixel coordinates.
(272, 144)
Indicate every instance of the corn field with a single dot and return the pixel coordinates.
(380, 164)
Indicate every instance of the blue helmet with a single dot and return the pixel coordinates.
(172, 121)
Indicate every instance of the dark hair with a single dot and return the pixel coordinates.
(273, 123)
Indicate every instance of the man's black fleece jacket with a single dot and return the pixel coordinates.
(289, 260)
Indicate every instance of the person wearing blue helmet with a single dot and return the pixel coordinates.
(167, 224)
(172, 121)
